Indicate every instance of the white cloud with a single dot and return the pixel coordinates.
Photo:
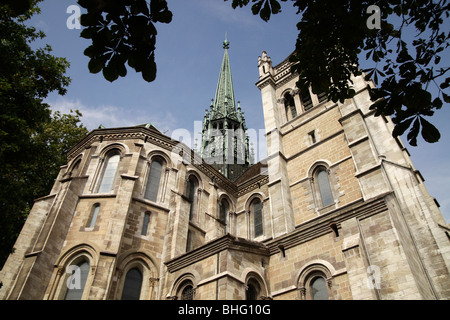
(114, 116)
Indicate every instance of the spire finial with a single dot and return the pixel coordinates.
(226, 43)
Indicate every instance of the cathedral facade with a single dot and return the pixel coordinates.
(336, 211)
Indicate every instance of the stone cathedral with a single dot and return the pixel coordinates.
(336, 211)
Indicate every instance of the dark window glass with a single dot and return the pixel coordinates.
(145, 224)
(289, 105)
(192, 190)
(132, 285)
(154, 178)
(94, 215)
(319, 289)
(324, 188)
(223, 210)
(77, 280)
(257, 217)
(306, 100)
(187, 293)
(253, 290)
(322, 97)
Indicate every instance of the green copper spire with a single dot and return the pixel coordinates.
(224, 103)
(225, 142)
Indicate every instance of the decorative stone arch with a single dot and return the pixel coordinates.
(252, 197)
(224, 195)
(180, 288)
(310, 272)
(318, 163)
(161, 154)
(231, 206)
(147, 267)
(254, 285)
(58, 283)
(122, 148)
(74, 165)
(194, 173)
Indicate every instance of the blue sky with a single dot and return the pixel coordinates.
(188, 55)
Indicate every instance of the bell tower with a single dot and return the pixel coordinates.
(225, 143)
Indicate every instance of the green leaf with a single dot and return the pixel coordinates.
(110, 73)
(429, 132)
(437, 103)
(265, 12)
(160, 12)
(96, 64)
(276, 6)
(413, 133)
(256, 8)
(401, 127)
(149, 70)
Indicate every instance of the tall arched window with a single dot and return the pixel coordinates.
(224, 207)
(77, 280)
(154, 179)
(253, 290)
(109, 172)
(323, 183)
(132, 285)
(145, 224)
(319, 289)
(94, 215)
(75, 169)
(192, 195)
(256, 211)
(289, 107)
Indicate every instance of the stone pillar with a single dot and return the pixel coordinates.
(279, 191)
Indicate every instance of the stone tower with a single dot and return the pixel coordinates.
(225, 144)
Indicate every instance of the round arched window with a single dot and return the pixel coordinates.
(319, 289)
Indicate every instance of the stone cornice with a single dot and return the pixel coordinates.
(325, 223)
(226, 242)
(252, 184)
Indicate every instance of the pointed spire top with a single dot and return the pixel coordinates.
(226, 43)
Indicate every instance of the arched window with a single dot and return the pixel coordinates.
(289, 107)
(77, 280)
(132, 285)
(109, 172)
(256, 211)
(94, 215)
(186, 290)
(306, 100)
(75, 169)
(323, 184)
(318, 287)
(154, 179)
(145, 223)
(192, 195)
(315, 281)
(224, 207)
(253, 290)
